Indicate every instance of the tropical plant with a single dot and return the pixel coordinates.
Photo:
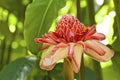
(25, 23)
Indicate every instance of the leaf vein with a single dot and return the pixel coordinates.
(44, 17)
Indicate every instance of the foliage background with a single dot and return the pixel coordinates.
(23, 20)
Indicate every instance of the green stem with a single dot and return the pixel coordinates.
(98, 70)
(91, 14)
(117, 7)
(9, 53)
(78, 8)
(116, 26)
(3, 45)
(82, 68)
(10, 46)
(68, 71)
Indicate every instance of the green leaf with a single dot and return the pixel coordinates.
(58, 72)
(38, 19)
(18, 69)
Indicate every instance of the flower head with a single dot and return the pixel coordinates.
(70, 39)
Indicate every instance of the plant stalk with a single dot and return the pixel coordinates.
(3, 45)
(10, 48)
(117, 7)
(78, 8)
(68, 71)
(82, 68)
(91, 19)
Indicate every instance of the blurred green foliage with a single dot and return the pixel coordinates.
(43, 15)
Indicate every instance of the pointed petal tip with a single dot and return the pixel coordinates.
(37, 40)
(46, 64)
(77, 70)
(47, 67)
(98, 36)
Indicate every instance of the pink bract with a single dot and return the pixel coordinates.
(70, 39)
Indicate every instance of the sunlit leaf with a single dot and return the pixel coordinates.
(18, 69)
(39, 17)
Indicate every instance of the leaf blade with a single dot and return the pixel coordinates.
(18, 69)
(39, 17)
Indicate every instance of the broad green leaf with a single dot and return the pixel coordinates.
(57, 73)
(38, 19)
(18, 69)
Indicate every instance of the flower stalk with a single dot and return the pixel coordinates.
(91, 14)
(68, 72)
(82, 68)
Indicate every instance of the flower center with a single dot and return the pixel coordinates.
(70, 29)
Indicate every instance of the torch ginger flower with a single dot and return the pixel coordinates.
(70, 39)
